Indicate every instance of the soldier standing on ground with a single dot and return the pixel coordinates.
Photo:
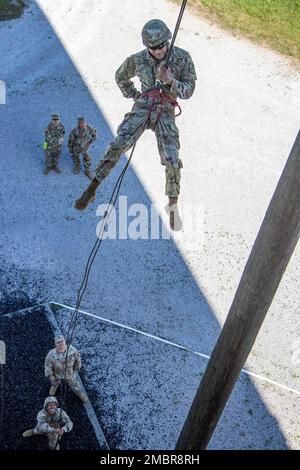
(56, 369)
(52, 421)
(54, 137)
(80, 139)
(153, 109)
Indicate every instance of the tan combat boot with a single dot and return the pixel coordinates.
(87, 196)
(28, 433)
(174, 216)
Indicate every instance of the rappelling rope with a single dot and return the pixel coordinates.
(116, 190)
(81, 290)
(183, 5)
(157, 92)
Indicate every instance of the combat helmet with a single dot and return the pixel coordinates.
(50, 400)
(155, 32)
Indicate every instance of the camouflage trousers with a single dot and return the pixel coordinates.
(147, 114)
(76, 151)
(52, 156)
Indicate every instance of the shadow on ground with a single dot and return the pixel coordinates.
(145, 283)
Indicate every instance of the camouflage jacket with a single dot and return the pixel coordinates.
(81, 137)
(55, 363)
(144, 66)
(46, 422)
(54, 135)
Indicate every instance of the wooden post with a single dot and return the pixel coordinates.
(273, 247)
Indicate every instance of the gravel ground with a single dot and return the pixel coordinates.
(141, 390)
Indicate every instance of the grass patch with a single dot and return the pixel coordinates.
(275, 23)
(11, 9)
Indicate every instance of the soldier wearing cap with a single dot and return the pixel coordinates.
(54, 137)
(51, 421)
(80, 139)
(57, 370)
(154, 108)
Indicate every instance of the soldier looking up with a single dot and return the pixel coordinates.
(52, 421)
(56, 369)
(54, 137)
(80, 139)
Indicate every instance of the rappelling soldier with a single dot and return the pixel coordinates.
(63, 363)
(79, 141)
(52, 421)
(54, 137)
(154, 108)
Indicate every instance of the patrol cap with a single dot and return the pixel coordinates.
(59, 338)
(80, 119)
(55, 116)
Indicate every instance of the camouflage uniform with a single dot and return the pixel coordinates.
(54, 136)
(152, 109)
(55, 370)
(47, 422)
(79, 142)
